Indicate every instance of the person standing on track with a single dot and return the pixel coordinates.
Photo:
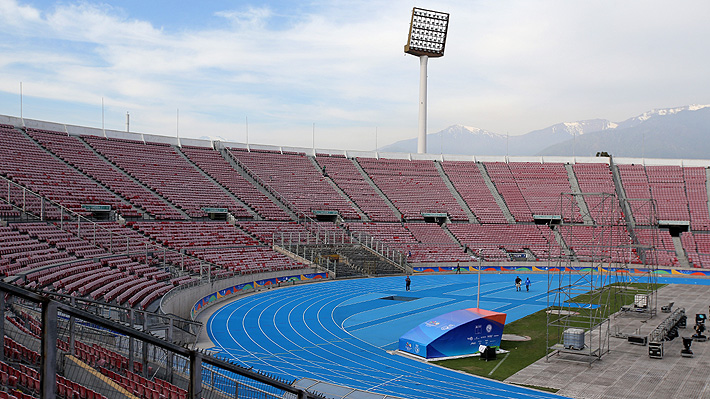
(527, 284)
(518, 281)
(407, 282)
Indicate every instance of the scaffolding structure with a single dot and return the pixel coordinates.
(579, 278)
(640, 281)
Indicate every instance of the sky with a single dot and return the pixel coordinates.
(334, 74)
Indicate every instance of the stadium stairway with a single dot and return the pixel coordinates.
(496, 195)
(268, 193)
(621, 193)
(453, 236)
(337, 188)
(118, 169)
(376, 188)
(249, 209)
(70, 166)
(560, 240)
(364, 261)
(574, 184)
(680, 252)
(471, 217)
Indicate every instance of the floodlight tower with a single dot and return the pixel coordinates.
(427, 38)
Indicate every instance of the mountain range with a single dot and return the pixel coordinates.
(679, 133)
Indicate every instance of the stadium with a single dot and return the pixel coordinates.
(145, 266)
(123, 253)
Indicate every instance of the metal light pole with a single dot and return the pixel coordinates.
(478, 296)
(427, 38)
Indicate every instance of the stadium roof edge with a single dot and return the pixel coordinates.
(154, 138)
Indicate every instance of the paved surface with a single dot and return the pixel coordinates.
(341, 331)
(627, 371)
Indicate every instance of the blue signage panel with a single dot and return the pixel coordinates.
(456, 333)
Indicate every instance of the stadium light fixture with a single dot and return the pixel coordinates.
(427, 38)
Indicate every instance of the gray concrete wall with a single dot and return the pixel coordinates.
(180, 301)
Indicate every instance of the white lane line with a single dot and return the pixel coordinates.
(498, 365)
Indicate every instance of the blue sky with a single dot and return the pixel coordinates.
(510, 66)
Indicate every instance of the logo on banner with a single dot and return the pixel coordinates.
(431, 323)
(446, 327)
(416, 348)
(489, 328)
(408, 345)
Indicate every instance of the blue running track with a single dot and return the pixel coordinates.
(340, 331)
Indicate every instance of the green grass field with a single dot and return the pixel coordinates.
(522, 354)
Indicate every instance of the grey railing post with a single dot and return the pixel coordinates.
(195, 386)
(144, 346)
(72, 327)
(171, 356)
(48, 367)
(131, 349)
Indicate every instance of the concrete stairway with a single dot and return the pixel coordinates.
(562, 243)
(128, 176)
(496, 195)
(581, 203)
(372, 184)
(680, 252)
(257, 184)
(252, 212)
(342, 193)
(141, 211)
(471, 217)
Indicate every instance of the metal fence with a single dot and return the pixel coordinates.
(54, 349)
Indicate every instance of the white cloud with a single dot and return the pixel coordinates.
(510, 66)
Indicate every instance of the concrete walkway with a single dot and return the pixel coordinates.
(627, 371)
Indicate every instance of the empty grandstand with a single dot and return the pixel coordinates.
(144, 231)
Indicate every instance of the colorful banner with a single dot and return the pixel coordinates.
(473, 269)
(215, 296)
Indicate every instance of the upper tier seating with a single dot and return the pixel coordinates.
(468, 181)
(216, 166)
(439, 247)
(73, 151)
(507, 186)
(596, 180)
(543, 186)
(297, 180)
(350, 180)
(22, 161)
(161, 168)
(695, 179)
(493, 242)
(540, 187)
(599, 243)
(413, 187)
(668, 191)
(638, 193)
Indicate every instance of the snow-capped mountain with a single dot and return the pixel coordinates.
(455, 139)
(635, 121)
(537, 140)
(679, 132)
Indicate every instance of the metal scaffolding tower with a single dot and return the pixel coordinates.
(579, 279)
